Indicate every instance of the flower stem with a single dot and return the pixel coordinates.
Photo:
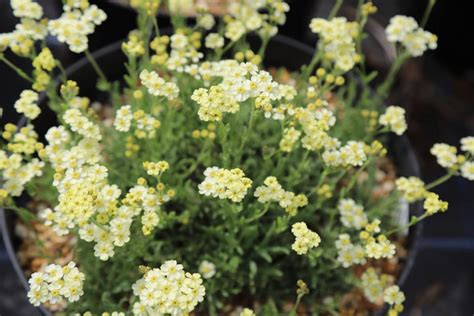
(412, 222)
(385, 86)
(427, 13)
(297, 303)
(263, 212)
(96, 67)
(309, 68)
(20, 72)
(439, 181)
(335, 9)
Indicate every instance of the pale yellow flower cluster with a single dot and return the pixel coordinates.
(351, 154)
(155, 168)
(225, 184)
(272, 191)
(26, 9)
(44, 63)
(27, 104)
(349, 253)
(76, 23)
(80, 124)
(290, 137)
(394, 118)
(433, 204)
(247, 312)
(445, 155)
(16, 164)
(145, 124)
(87, 201)
(405, 30)
(55, 284)
(306, 239)
(240, 81)
(395, 298)
(207, 269)
(352, 214)
(16, 173)
(373, 285)
(30, 29)
(157, 86)
(337, 40)
(123, 118)
(316, 124)
(168, 290)
(246, 17)
(412, 188)
(376, 246)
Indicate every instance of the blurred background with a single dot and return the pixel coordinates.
(437, 90)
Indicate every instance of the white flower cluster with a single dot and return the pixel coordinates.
(394, 118)
(214, 40)
(207, 269)
(225, 184)
(351, 154)
(15, 173)
(352, 214)
(26, 9)
(445, 154)
(306, 239)
(240, 81)
(27, 104)
(80, 124)
(272, 191)
(348, 253)
(412, 188)
(393, 295)
(168, 290)
(447, 157)
(123, 118)
(373, 285)
(183, 52)
(405, 30)
(467, 144)
(246, 17)
(157, 86)
(290, 137)
(337, 40)
(85, 194)
(316, 124)
(30, 28)
(379, 248)
(55, 284)
(76, 23)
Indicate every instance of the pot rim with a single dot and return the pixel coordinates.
(414, 235)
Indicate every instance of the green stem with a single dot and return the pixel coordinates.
(335, 9)
(297, 303)
(354, 179)
(20, 72)
(63, 71)
(263, 47)
(96, 67)
(309, 68)
(427, 13)
(263, 212)
(439, 181)
(384, 87)
(412, 222)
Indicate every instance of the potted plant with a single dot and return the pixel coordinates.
(209, 181)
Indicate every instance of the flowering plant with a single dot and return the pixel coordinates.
(252, 181)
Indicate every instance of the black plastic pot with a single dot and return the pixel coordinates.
(282, 51)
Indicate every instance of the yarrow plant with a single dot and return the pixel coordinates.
(204, 160)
